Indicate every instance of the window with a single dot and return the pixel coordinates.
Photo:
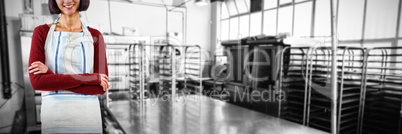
(296, 18)
(400, 27)
(270, 22)
(322, 25)
(285, 1)
(350, 22)
(381, 19)
(248, 4)
(244, 26)
(270, 4)
(302, 22)
(285, 20)
(299, 0)
(230, 4)
(241, 6)
(255, 24)
(378, 44)
(225, 30)
(225, 11)
(350, 44)
(234, 28)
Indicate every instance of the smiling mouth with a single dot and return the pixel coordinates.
(69, 6)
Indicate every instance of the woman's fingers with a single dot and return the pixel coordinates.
(34, 70)
(104, 86)
(38, 68)
(104, 82)
(38, 72)
(104, 76)
(31, 67)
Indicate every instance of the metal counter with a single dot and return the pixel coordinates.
(198, 115)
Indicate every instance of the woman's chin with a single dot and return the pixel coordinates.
(69, 13)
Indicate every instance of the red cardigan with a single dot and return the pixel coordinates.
(79, 83)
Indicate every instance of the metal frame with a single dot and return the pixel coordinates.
(382, 83)
(348, 56)
(302, 58)
(168, 61)
(135, 59)
(186, 56)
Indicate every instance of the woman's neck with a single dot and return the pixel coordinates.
(70, 22)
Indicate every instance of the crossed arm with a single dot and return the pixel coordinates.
(42, 78)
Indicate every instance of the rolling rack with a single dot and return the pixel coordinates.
(192, 69)
(308, 91)
(153, 71)
(136, 72)
(167, 70)
(351, 62)
(118, 64)
(383, 92)
(117, 57)
(293, 83)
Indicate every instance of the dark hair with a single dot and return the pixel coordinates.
(54, 9)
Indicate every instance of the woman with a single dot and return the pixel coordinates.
(68, 63)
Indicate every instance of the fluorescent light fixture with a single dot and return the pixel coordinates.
(201, 2)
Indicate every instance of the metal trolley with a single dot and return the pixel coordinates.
(118, 63)
(382, 105)
(156, 70)
(370, 98)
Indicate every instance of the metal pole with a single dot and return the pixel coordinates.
(334, 79)
(173, 75)
(110, 17)
(5, 68)
(142, 73)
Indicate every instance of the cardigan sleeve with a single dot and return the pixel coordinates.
(100, 64)
(50, 81)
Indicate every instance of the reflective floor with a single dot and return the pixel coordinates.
(198, 115)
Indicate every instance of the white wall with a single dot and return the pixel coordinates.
(199, 25)
(150, 20)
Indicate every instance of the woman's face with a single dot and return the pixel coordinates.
(68, 7)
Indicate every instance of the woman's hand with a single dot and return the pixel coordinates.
(38, 67)
(104, 82)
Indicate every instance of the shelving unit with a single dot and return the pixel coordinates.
(293, 83)
(308, 91)
(152, 71)
(167, 69)
(192, 69)
(383, 93)
(351, 63)
(136, 71)
(118, 65)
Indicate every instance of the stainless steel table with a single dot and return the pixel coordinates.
(194, 114)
